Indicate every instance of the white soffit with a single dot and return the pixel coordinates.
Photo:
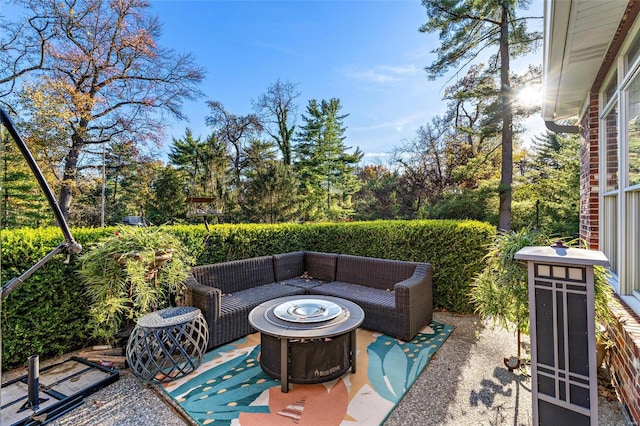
(577, 35)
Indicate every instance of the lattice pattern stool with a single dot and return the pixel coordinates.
(167, 344)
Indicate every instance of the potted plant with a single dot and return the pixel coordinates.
(135, 271)
(500, 292)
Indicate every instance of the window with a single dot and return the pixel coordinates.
(611, 154)
(632, 240)
(633, 135)
(609, 225)
(633, 52)
(609, 230)
(611, 89)
(619, 172)
(629, 197)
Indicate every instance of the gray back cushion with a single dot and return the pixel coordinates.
(321, 266)
(371, 272)
(288, 265)
(236, 275)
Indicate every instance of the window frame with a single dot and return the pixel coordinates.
(619, 212)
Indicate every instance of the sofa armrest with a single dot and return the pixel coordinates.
(414, 297)
(203, 297)
(417, 288)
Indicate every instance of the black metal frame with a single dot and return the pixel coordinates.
(65, 403)
(69, 245)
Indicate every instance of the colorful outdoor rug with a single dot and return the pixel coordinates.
(230, 388)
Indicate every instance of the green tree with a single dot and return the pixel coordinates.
(23, 203)
(547, 194)
(129, 175)
(256, 154)
(168, 201)
(102, 78)
(325, 166)
(270, 185)
(218, 165)
(205, 164)
(467, 29)
(377, 197)
(188, 155)
(128, 178)
(271, 193)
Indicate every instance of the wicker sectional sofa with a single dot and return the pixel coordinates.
(396, 296)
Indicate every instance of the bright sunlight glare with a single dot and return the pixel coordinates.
(529, 96)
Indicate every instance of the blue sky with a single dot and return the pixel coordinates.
(369, 54)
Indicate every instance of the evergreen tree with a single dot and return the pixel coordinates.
(546, 149)
(188, 154)
(271, 193)
(256, 155)
(23, 202)
(547, 194)
(168, 201)
(205, 166)
(325, 167)
(377, 197)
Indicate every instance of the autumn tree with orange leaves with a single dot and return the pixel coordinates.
(91, 76)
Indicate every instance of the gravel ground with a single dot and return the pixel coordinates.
(466, 382)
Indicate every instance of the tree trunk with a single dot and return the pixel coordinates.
(328, 194)
(285, 143)
(69, 175)
(504, 190)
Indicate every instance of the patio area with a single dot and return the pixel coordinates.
(466, 382)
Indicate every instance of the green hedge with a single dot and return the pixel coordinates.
(454, 248)
(47, 314)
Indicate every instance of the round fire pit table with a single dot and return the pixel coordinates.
(167, 344)
(307, 339)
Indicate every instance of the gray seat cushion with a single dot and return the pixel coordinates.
(363, 296)
(248, 299)
(303, 282)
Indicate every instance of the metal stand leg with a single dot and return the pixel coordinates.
(353, 352)
(284, 364)
(33, 386)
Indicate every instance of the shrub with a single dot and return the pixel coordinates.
(501, 292)
(454, 248)
(135, 271)
(49, 315)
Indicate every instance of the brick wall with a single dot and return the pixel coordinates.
(589, 230)
(624, 358)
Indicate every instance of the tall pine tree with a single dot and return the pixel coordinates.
(325, 167)
(468, 29)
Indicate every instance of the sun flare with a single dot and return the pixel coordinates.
(529, 96)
